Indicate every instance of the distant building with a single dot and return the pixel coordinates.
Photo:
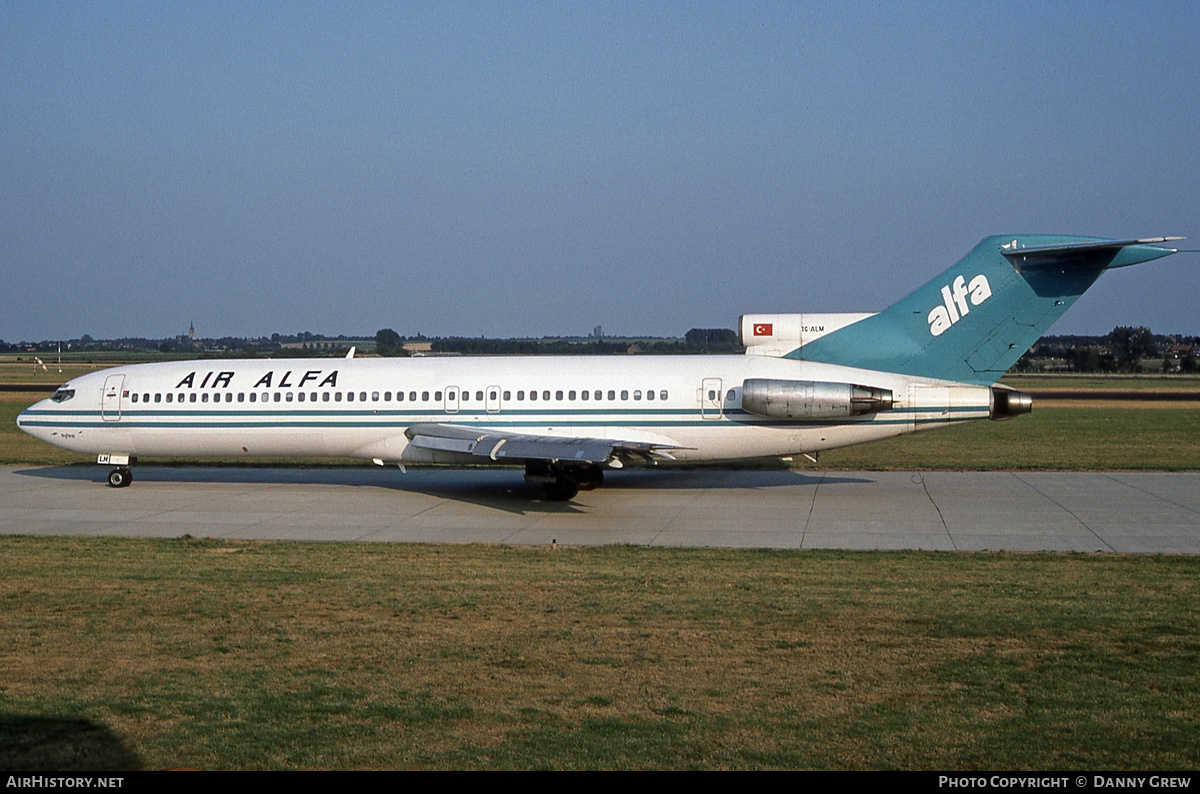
(323, 344)
(189, 339)
(1183, 351)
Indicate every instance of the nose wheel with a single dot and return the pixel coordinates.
(120, 477)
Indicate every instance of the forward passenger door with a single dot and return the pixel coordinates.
(110, 399)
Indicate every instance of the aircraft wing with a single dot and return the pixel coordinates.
(497, 444)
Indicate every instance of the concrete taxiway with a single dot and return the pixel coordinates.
(963, 511)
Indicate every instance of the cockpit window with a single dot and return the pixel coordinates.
(62, 395)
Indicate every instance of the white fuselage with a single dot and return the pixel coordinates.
(360, 408)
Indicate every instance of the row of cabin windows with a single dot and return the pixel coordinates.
(463, 397)
(585, 395)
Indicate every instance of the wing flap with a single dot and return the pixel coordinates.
(496, 445)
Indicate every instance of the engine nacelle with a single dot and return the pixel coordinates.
(779, 334)
(1007, 403)
(812, 399)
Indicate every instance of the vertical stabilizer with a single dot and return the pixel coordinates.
(974, 321)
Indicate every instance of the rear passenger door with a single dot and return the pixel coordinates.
(711, 399)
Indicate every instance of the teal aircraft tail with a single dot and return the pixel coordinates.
(974, 321)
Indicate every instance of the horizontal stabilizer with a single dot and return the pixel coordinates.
(1124, 252)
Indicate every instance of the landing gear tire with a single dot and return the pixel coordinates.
(589, 478)
(120, 477)
(561, 489)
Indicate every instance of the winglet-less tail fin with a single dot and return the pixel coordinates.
(974, 321)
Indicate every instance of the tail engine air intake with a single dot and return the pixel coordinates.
(811, 399)
(1007, 403)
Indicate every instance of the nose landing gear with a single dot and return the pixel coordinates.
(120, 477)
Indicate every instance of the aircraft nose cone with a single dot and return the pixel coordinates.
(25, 419)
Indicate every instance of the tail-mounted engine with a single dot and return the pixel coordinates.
(811, 399)
(1007, 403)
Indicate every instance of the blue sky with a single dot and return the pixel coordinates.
(528, 169)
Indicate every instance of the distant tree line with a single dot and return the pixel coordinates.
(697, 340)
(1124, 349)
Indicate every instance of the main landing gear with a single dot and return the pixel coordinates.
(120, 477)
(562, 483)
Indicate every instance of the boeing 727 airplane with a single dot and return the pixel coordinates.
(807, 382)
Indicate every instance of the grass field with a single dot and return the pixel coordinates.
(23, 369)
(1190, 383)
(125, 653)
(165, 653)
